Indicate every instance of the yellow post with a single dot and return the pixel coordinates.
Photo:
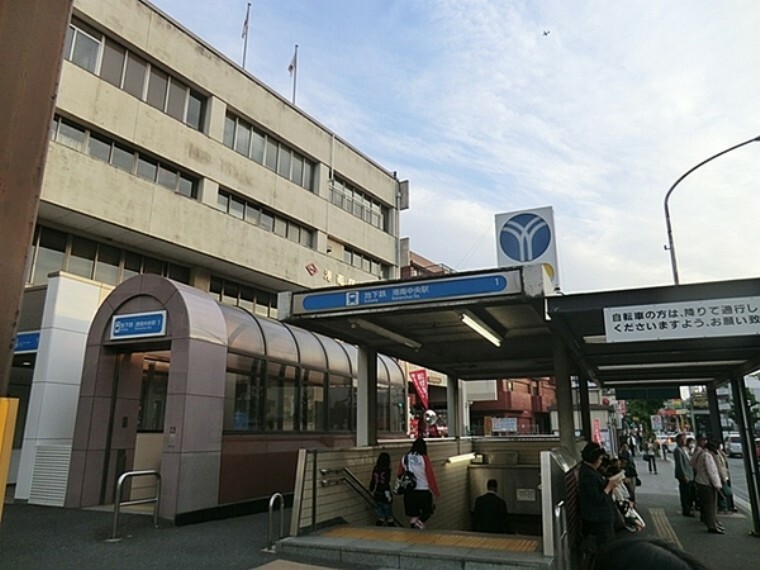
(8, 413)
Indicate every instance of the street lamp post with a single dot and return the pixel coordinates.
(670, 247)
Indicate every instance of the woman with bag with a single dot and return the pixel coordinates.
(418, 503)
(380, 488)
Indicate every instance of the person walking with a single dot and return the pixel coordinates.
(380, 487)
(685, 475)
(709, 485)
(725, 499)
(418, 504)
(491, 513)
(651, 454)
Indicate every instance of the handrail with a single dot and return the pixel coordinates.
(354, 482)
(117, 503)
(562, 537)
(272, 501)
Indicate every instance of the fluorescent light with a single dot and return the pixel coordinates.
(458, 458)
(481, 328)
(656, 365)
(390, 335)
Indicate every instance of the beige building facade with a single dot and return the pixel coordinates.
(167, 158)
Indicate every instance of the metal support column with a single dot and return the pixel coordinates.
(585, 408)
(748, 450)
(716, 432)
(565, 419)
(453, 411)
(366, 397)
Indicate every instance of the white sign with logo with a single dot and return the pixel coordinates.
(739, 316)
(528, 237)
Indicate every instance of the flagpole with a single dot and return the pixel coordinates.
(295, 73)
(245, 33)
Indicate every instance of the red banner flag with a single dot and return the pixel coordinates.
(420, 383)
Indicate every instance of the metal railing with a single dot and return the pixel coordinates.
(272, 501)
(118, 503)
(562, 537)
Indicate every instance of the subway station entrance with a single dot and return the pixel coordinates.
(510, 322)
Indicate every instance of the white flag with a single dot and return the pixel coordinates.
(293, 63)
(245, 23)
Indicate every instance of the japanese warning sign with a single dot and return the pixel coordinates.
(691, 319)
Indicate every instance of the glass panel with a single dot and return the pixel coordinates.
(85, 51)
(313, 401)
(82, 257)
(339, 403)
(49, 255)
(271, 157)
(107, 267)
(186, 186)
(280, 227)
(132, 263)
(177, 96)
(153, 396)
(71, 135)
(215, 289)
(237, 208)
(112, 66)
(179, 273)
(267, 221)
(223, 201)
(157, 84)
(123, 158)
(229, 131)
(153, 266)
(397, 416)
(166, 177)
(134, 77)
(243, 139)
(294, 232)
(252, 213)
(69, 42)
(230, 293)
(247, 298)
(147, 168)
(257, 146)
(347, 255)
(382, 408)
(283, 168)
(99, 147)
(308, 170)
(306, 237)
(195, 105)
(366, 265)
(281, 397)
(297, 173)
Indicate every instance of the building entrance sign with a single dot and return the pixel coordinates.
(739, 316)
(138, 325)
(438, 290)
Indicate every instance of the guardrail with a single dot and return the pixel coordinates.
(118, 503)
(272, 501)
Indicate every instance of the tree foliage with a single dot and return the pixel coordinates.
(752, 404)
(642, 409)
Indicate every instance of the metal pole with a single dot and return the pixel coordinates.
(748, 450)
(671, 247)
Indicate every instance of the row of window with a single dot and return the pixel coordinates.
(365, 263)
(264, 218)
(266, 396)
(123, 157)
(359, 204)
(267, 151)
(253, 300)
(90, 49)
(53, 250)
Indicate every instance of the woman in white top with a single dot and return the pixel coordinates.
(709, 484)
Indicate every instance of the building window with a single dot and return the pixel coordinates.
(255, 301)
(268, 221)
(123, 157)
(132, 73)
(264, 149)
(359, 203)
(365, 263)
(53, 250)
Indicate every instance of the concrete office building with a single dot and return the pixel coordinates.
(168, 159)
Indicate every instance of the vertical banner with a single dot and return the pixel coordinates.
(420, 383)
(656, 423)
(597, 432)
(527, 237)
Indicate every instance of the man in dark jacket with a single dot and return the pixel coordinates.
(597, 507)
(491, 512)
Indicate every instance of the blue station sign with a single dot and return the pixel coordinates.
(27, 342)
(138, 325)
(433, 290)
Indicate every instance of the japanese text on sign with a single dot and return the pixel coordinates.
(692, 319)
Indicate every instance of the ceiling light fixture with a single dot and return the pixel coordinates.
(381, 331)
(481, 328)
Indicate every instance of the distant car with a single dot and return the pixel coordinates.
(733, 446)
(667, 441)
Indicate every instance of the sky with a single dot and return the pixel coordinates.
(594, 108)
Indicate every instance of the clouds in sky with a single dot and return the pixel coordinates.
(484, 114)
